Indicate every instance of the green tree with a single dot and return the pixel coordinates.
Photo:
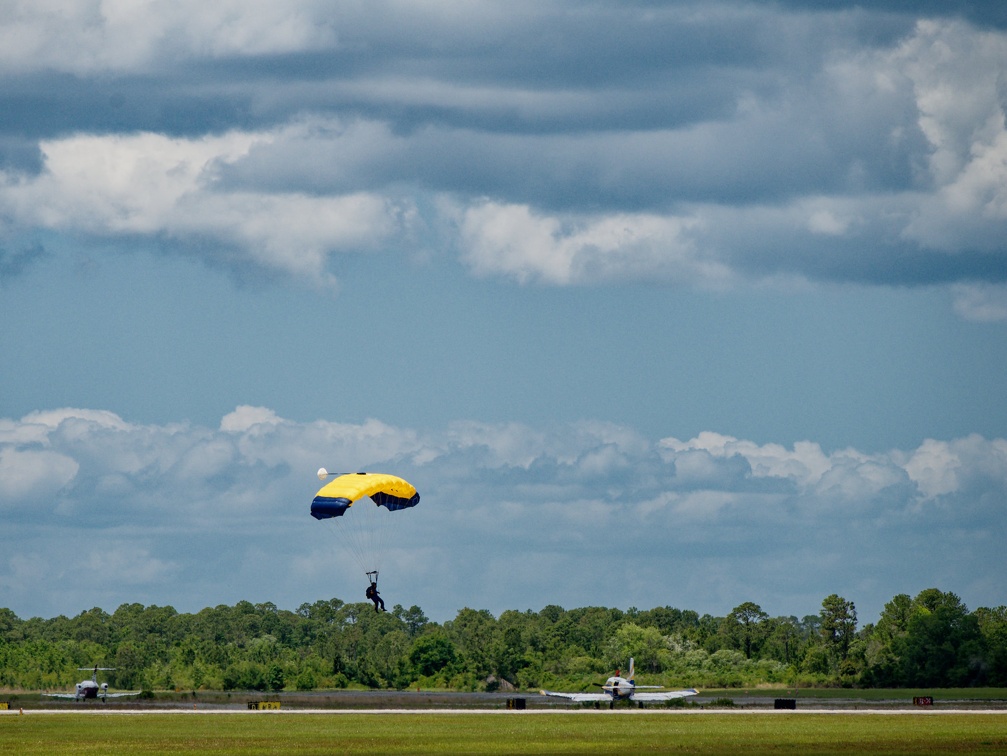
(414, 618)
(838, 627)
(508, 652)
(745, 627)
(884, 643)
(390, 658)
(943, 645)
(472, 632)
(129, 664)
(307, 679)
(645, 645)
(432, 653)
(929, 640)
(784, 640)
(993, 626)
(275, 677)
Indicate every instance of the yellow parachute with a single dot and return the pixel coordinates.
(364, 528)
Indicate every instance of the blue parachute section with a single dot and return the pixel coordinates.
(322, 508)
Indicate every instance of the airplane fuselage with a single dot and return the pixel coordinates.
(619, 687)
(89, 689)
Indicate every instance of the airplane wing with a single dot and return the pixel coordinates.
(665, 695)
(106, 695)
(578, 696)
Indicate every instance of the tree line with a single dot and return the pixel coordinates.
(932, 640)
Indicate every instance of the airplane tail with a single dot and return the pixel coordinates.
(632, 672)
(94, 675)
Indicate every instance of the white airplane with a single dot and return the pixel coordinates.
(618, 688)
(91, 689)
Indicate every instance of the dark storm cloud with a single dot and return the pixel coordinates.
(671, 65)
(49, 105)
(19, 154)
(814, 139)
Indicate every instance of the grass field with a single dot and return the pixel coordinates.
(502, 733)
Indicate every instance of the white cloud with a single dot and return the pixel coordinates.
(942, 468)
(956, 203)
(517, 242)
(245, 417)
(825, 222)
(957, 77)
(117, 35)
(839, 160)
(32, 475)
(805, 464)
(178, 511)
(52, 419)
(859, 483)
(702, 506)
(151, 184)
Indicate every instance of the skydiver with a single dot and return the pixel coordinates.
(372, 594)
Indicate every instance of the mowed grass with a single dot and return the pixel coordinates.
(503, 733)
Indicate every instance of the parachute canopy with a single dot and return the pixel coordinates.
(388, 491)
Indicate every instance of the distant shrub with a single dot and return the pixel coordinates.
(676, 703)
(723, 703)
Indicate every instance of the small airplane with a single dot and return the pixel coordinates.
(91, 689)
(618, 688)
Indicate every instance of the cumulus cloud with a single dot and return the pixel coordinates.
(940, 218)
(32, 475)
(101, 36)
(946, 468)
(957, 79)
(148, 184)
(512, 240)
(178, 510)
(245, 417)
(789, 145)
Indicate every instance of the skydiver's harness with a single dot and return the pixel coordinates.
(372, 591)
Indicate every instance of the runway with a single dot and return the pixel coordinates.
(376, 702)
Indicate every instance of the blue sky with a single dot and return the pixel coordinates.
(681, 304)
